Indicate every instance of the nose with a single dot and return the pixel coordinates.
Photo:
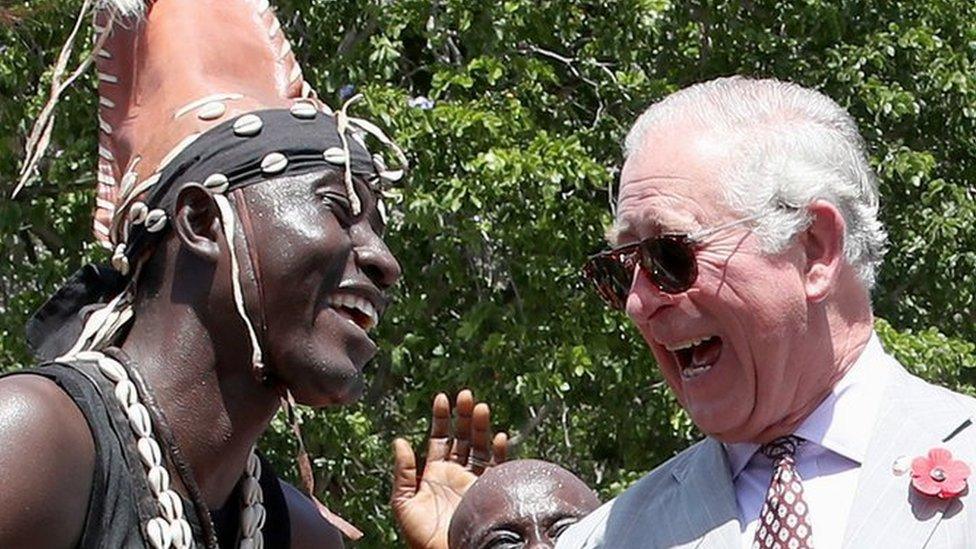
(374, 257)
(645, 299)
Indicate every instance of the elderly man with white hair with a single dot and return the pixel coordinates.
(745, 244)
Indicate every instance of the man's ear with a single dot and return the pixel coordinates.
(823, 244)
(197, 222)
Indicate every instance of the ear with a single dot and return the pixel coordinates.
(823, 245)
(197, 222)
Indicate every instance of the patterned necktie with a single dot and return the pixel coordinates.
(783, 520)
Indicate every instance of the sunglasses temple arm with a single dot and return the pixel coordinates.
(709, 232)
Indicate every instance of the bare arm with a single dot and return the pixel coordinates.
(47, 458)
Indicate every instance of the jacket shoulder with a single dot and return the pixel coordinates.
(650, 494)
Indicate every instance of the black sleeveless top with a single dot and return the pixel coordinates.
(121, 502)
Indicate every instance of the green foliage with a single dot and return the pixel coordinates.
(508, 195)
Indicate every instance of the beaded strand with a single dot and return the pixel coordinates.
(170, 528)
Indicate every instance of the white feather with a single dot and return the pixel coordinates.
(126, 8)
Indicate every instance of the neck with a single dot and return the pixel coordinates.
(840, 330)
(214, 406)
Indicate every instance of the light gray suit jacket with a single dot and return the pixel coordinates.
(689, 501)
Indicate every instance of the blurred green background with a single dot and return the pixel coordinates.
(513, 113)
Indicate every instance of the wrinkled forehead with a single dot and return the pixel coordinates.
(675, 181)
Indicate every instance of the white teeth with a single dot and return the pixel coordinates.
(689, 373)
(360, 304)
(687, 344)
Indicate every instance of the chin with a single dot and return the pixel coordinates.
(333, 391)
(724, 423)
(330, 379)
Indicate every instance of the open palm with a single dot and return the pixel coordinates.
(423, 507)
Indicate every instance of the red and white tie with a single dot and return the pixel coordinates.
(783, 522)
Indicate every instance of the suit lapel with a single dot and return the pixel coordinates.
(706, 501)
(914, 418)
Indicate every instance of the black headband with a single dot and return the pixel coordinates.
(252, 148)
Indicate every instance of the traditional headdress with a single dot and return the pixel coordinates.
(203, 91)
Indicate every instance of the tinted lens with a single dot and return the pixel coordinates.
(611, 276)
(670, 261)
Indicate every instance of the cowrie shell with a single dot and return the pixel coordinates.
(274, 163)
(303, 109)
(120, 262)
(155, 220)
(253, 465)
(216, 183)
(335, 155)
(149, 451)
(139, 419)
(112, 369)
(159, 535)
(158, 479)
(251, 491)
(248, 125)
(182, 535)
(247, 543)
(126, 392)
(211, 110)
(252, 519)
(138, 212)
(170, 505)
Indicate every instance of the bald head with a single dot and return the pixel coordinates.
(524, 503)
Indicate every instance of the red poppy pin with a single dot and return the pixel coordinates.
(939, 475)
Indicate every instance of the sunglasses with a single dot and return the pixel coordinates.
(668, 259)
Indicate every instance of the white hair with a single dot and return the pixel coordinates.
(791, 146)
(125, 8)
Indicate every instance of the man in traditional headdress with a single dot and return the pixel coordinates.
(245, 220)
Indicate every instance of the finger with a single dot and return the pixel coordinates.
(404, 472)
(480, 439)
(462, 427)
(499, 449)
(439, 443)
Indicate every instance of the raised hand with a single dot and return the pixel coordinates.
(423, 507)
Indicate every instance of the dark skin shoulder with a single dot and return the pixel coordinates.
(47, 460)
(308, 528)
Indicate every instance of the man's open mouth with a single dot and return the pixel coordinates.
(355, 309)
(696, 356)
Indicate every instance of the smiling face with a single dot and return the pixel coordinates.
(520, 504)
(732, 348)
(321, 273)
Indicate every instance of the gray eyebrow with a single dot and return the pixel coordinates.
(612, 234)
